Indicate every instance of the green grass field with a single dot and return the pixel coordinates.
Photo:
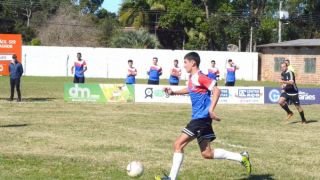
(44, 137)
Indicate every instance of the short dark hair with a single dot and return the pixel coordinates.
(287, 60)
(230, 60)
(176, 60)
(193, 56)
(130, 60)
(284, 63)
(79, 53)
(155, 58)
(213, 61)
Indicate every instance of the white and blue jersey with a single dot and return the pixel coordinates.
(231, 74)
(154, 73)
(199, 86)
(131, 77)
(175, 78)
(79, 67)
(213, 73)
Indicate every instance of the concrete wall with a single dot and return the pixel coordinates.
(112, 63)
(296, 57)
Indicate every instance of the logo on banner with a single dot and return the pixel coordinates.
(149, 93)
(306, 96)
(77, 92)
(224, 93)
(274, 95)
(249, 93)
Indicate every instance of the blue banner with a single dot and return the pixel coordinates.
(306, 95)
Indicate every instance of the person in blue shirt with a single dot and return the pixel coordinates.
(231, 73)
(175, 74)
(154, 72)
(131, 74)
(80, 66)
(16, 71)
(203, 105)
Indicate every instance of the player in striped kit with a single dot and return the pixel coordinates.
(131, 74)
(175, 74)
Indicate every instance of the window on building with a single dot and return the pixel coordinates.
(310, 65)
(277, 63)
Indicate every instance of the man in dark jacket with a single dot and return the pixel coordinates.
(16, 71)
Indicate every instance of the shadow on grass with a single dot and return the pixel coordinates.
(13, 125)
(308, 122)
(259, 177)
(31, 99)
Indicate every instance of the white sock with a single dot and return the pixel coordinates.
(223, 154)
(176, 164)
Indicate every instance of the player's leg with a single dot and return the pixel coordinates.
(81, 79)
(282, 102)
(178, 155)
(11, 89)
(296, 102)
(17, 83)
(75, 79)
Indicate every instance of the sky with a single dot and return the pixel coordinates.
(112, 5)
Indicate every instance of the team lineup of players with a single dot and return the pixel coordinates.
(155, 71)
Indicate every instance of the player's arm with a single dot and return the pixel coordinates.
(214, 100)
(178, 92)
(160, 71)
(172, 72)
(134, 73)
(85, 67)
(218, 74)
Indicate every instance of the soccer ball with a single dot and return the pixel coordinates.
(135, 169)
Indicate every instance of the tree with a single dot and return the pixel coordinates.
(135, 39)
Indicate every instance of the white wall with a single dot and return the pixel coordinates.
(112, 63)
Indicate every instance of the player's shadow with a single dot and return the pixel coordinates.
(308, 122)
(259, 177)
(38, 99)
(13, 125)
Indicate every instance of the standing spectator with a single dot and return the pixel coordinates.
(287, 61)
(154, 72)
(80, 67)
(231, 73)
(132, 72)
(175, 74)
(213, 72)
(16, 71)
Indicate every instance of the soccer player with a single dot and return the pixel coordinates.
(80, 67)
(175, 74)
(231, 73)
(132, 72)
(203, 105)
(16, 71)
(289, 93)
(154, 72)
(287, 61)
(213, 72)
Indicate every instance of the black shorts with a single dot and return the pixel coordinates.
(174, 84)
(78, 79)
(291, 99)
(153, 82)
(201, 129)
(230, 83)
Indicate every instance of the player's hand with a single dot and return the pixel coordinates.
(168, 90)
(214, 116)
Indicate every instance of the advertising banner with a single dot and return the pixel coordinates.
(306, 95)
(155, 93)
(229, 95)
(98, 93)
(241, 95)
(9, 44)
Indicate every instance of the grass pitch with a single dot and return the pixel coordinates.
(45, 138)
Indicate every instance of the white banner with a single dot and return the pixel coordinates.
(241, 95)
(229, 95)
(154, 93)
